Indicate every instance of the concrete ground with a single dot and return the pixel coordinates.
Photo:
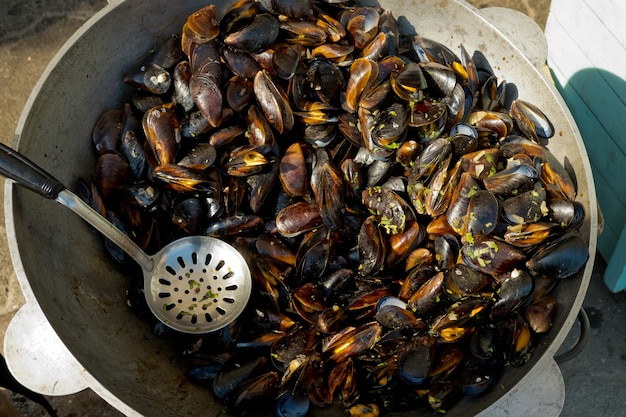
(30, 34)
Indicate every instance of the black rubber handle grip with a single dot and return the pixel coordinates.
(25, 172)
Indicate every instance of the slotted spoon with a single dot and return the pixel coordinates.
(196, 284)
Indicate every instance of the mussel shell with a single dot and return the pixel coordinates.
(429, 159)
(459, 202)
(225, 135)
(234, 373)
(326, 80)
(202, 25)
(565, 212)
(207, 94)
(429, 298)
(259, 132)
(402, 244)
(240, 62)
(179, 178)
(189, 215)
(363, 74)
(328, 190)
(483, 212)
(490, 255)
(286, 59)
(205, 58)
(362, 26)
(409, 82)
(142, 194)
(353, 342)
(553, 174)
(560, 258)
(273, 102)
(150, 77)
(298, 9)
(201, 156)
(107, 133)
(257, 36)
(314, 255)
(499, 123)
(529, 206)
(446, 251)
(482, 163)
(260, 186)
(290, 405)
(234, 225)
(194, 125)
(512, 181)
(477, 377)
(182, 95)
(462, 280)
(255, 391)
(486, 345)
(293, 171)
(390, 126)
(168, 52)
(440, 78)
(372, 247)
(514, 290)
(239, 93)
(308, 302)
(430, 50)
(248, 160)
(398, 318)
(320, 135)
(298, 218)
(111, 173)
(540, 313)
(414, 363)
(302, 32)
(531, 120)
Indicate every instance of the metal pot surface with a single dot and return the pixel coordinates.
(82, 293)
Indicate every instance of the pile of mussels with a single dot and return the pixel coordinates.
(403, 223)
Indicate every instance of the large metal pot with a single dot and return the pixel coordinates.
(61, 264)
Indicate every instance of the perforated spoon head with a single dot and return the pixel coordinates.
(198, 284)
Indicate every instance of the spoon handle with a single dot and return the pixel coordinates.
(25, 172)
(28, 174)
